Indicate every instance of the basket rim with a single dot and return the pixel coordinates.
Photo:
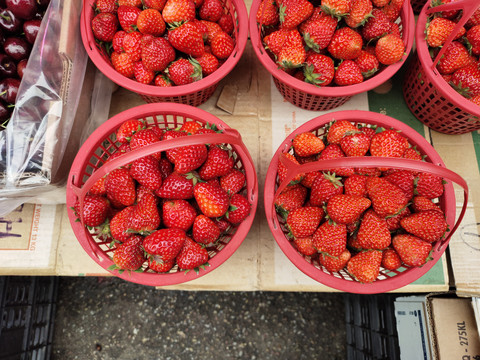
(156, 91)
(432, 73)
(391, 283)
(331, 91)
(92, 247)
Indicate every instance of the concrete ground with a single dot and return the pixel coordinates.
(108, 318)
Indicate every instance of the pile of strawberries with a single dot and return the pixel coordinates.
(164, 42)
(340, 42)
(169, 208)
(360, 219)
(459, 65)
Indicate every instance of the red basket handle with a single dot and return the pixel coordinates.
(293, 169)
(230, 136)
(468, 6)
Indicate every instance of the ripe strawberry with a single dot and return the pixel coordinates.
(330, 238)
(438, 31)
(309, 178)
(393, 222)
(211, 10)
(239, 209)
(293, 53)
(346, 44)
(412, 250)
(293, 12)
(205, 230)
(338, 129)
(422, 203)
(267, 13)
(219, 162)
(429, 225)
(404, 180)
(376, 26)
(178, 214)
(390, 259)
(346, 209)
(226, 23)
(123, 64)
(233, 181)
(183, 71)
(166, 243)
(95, 210)
(335, 264)
(282, 170)
(455, 57)
(143, 138)
(192, 255)
(187, 39)
(209, 63)
(392, 10)
(104, 26)
(380, 3)
(120, 187)
(318, 33)
(157, 54)
(189, 158)
(304, 221)
(355, 144)
(106, 6)
(473, 37)
(387, 199)
(212, 200)
(176, 186)
(368, 65)
(117, 42)
(120, 224)
(222, 45)
(172, 134)
(373, 232)
(466, 81)
(307, 143)
(356, 185)
(333, 151)
(154, 4)
(127, 17)
(142, 74)
(147, 172)
(359, 13)
(389, 49)
(324, 187)
(145, 217)
(178, 11)
(191, 127)
(98, 188)
(293, 197)
(413, 154)
(428, 185)
(319, 70)
(150, 21)
(388, 143)
(212, 30)
(135, 3)
(127, 129)
(348, 73)
(365, 266)
(129, 255)
(156, 264)
(276, 40)
(338, 8)
(474, 19)
(305, 245)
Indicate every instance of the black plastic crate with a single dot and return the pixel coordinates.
(371, 327)
(27, 306)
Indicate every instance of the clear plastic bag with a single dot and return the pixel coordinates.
(34, 142)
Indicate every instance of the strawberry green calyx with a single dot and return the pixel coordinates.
(312, 77)
(336, 181)
(311, 44)
(197, 74)
(197, 269)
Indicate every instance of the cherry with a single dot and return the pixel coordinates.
(9, 22)
(23, 9)
(9, 90)
(8, 68)
(30, 29)
(17, 47)
(22, 64)
(5, 112)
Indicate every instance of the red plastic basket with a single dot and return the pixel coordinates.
(89, 166)
(311, 97)
(193, 94)
(429, 97)
(387, 280)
